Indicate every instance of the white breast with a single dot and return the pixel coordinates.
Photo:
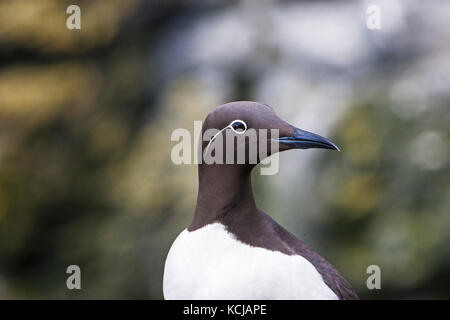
(209, 263)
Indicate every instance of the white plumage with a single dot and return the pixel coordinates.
(210, 263)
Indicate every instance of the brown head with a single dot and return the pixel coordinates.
(242, 125)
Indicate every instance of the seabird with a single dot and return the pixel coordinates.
(232, 249)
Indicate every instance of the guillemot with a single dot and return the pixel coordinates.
(232, 249)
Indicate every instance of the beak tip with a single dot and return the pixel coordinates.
(302, 139)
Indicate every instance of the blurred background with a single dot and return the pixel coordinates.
(86, 118)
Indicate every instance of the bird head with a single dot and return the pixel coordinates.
(245, 132)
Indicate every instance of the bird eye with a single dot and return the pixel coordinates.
(238, 126)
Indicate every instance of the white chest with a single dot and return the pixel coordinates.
(209, 263)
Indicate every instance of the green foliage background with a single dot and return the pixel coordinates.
(86, 118)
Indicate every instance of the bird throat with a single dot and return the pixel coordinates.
(224, 190)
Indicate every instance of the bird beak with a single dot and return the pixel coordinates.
(302, 139)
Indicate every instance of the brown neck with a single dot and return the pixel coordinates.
(223, 190)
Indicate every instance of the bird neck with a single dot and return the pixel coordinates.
(223, 190)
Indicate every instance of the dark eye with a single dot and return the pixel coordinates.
(238, 126)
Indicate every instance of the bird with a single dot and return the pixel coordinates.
(232, 249)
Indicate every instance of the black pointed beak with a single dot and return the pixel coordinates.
(302, 139)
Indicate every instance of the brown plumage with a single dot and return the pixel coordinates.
(225, 192)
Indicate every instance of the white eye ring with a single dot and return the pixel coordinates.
(236, 125)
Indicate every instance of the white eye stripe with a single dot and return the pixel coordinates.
(213, 138)
(241, 122)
